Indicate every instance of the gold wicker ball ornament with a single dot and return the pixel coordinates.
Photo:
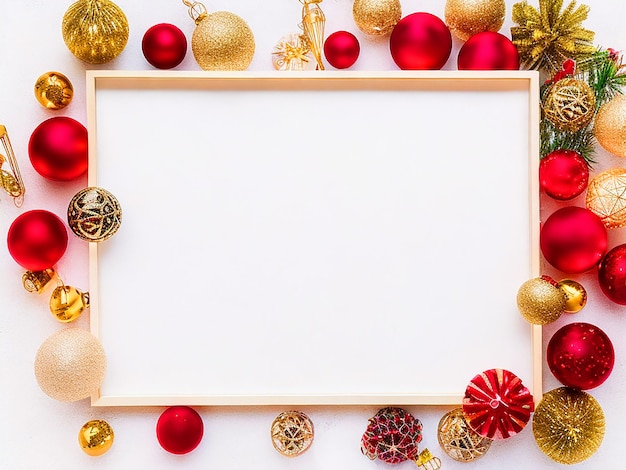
(95, 437)
(53, 90)
(468, 17)
(94, 214)
(460, 441)
(610, 126)
(376, 17)
(570, 104)
(292, 433)
(540, 301)
(606, 197)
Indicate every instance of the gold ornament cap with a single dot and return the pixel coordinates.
(466, 18)
(292, 433)
(67, 303)
(95, 437)
(376, 17)
(610, 126)
(36, 281)
(540, 301)
(458, 440)
(53, 90)
(575, 294)
(94, 214)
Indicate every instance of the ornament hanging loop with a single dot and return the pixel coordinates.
(11, 182)
(197, 11)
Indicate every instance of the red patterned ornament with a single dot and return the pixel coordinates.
(179, 429)
(392, 436)
(164, 46)
(342, 49)
(612, 275)
(563, 174)
(488, 50)
(580, 356)
(497, 405)
(420, 41)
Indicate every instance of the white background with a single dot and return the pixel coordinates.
(38, 432)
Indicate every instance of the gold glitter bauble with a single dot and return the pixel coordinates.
(575, 294)
(606, 197)
(53, 90)
(376, 17)
(460, 441)
(94, 214)
(568, 425)
(95, 437)
(468, 17)
(292, 433)
(222, 41)
(540, 301)
(570, 104)
(610, 126)
(67, 303)
(95, 31)
(70, 365)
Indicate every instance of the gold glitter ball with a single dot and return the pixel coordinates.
(67, 303)
(95, 437)
(94, 214)
(376, 17)
(568, 425)
(606, 197)
(570, 104)
(54, 90)
(540, 301)
(468, 17)
(222, 41)
(460, 441)
(610, 126)
(292, 433)
(575, 293)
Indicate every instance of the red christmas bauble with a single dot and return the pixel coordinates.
(420, 41)
(612, 274)
(58, 149)
(563, 174)
(573, 239)
(580, 355)
(488, 50)
(164, 46)
(179, 429)
(341, 49)
(392, 435)
(37, 239)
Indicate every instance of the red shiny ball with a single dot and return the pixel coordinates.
(563, 174)
(164, 46)
(58, 149)
(488, 50)
(612, 274)
(37, 239)
(420, 41)
(341, 49)
(179, 429)
(573, 239)
(580, 356)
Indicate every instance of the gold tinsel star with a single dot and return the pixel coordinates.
(545, 38)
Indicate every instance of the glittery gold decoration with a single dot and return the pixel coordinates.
(70, 365)
(376, 17)
(570, 104)
(610, 126)
(95, 31)
(10, 181)
(313, 23)
(606, 197)
(292, 52)
(540, 301)
(67, 303)
(94, 214)
(545, 38)
(468, 17)
(568, 425)
(53, 90)
(292, 433)
(460, 441)
(427, 461)
(95, 437)
(36, 281)
(575, 294)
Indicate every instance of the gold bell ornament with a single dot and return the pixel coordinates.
(10, 181)
(67, 303)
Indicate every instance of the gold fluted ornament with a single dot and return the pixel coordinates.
(459, 440)
(67, 303)
(95, 31)
(376, 17)
(606, 197)
(468, 17)
(95, 437)
(610, 126)
(313, 24)
(568, 425)
(221, 40)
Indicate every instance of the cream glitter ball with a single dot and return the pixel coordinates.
(70, 365)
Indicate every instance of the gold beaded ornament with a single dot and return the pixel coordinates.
(459, 440)
(570, 104)
(95, 437)
(94, 214)
(292, 433)
(10, 181)
(53, 90)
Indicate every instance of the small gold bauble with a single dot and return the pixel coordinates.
(460, 441)
(540, 301)
(468, 17)
(53, 90)
(95, 31)
(570, 104)
(610, 126)
(95, 437)
(575, 294)
(568, 425)
(292, 433)
(606, 197)
(376, 17)
(94, 214)
(67, 303)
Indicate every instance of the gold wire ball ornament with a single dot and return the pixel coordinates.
(67, 303)
(610, 126)
(95, 437)
(36, 281)
(458, 440)
(94, 214)
(376, 17)
(575, 294)
(53, 90)
(468, 17)
(95, 31)
(540, 301)
(292, 433)
(570, 104)
(568, 425)
(606, 197)
(292, 52)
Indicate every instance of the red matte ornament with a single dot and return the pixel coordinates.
(179, 429)
(496, 404)
(164, 46)
(342, 49)
(580, 356)
(392, 435)
(488, 50)
(563, 174)
(573, 239)
(37, 240)
(420, 41)
(612, 275)
(58, 149)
